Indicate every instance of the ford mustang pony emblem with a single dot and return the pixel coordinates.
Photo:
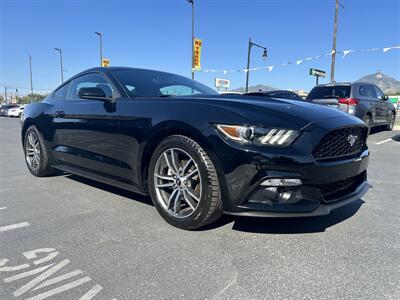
(352, 139)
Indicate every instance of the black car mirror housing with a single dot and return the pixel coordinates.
(94, 93)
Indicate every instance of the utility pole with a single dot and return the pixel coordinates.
(334, 40)
(192, 3)
(5, 94)
(265, 55)
(61, 64)
(30, 73)
(101, 47)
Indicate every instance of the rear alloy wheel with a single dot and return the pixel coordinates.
(184, 185)
(36, 155)
(392, 120)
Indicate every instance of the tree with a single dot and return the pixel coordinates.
(31, 98)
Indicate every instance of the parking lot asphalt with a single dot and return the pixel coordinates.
(98, 242)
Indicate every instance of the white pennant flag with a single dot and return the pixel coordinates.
(270, 68)
(346, 52)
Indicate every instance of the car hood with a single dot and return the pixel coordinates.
(273, 111)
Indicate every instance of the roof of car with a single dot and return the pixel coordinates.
(336, 83)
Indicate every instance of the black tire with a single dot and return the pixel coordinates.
(367, 120)
(209, 207)
(43, 169)
(392, 120)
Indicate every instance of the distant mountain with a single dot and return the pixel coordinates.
(388, 84)
(255, 88)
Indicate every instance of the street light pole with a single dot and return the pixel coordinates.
(265, 55)
(101, 47)
(192, 3)
(61, 64)
(30, 73)
(334, 40)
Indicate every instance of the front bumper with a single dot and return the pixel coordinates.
(321, 210)
(242, 169)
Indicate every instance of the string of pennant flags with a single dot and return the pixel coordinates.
(344, 54)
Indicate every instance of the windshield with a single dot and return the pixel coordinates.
(146, 83)
(335, 91)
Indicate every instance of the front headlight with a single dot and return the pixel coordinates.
(277, 137)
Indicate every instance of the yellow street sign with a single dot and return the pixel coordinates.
(105, 62)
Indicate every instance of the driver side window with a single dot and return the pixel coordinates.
(90, 80)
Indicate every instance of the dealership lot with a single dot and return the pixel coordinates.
(98, 242)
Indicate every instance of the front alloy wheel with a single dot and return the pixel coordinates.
(36, 154)
(177, 182)
(184, 184)
(32, 151)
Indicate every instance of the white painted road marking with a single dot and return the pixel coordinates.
(382, 142)
(41, 278)
(45, 278)
(92, 292)
(3, 208)
(61, 289)
(14, 226)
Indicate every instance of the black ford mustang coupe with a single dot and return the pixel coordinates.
(198, 154)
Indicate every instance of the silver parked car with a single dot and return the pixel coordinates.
(363, 100)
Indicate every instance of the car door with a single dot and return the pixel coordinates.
(379, 105)
(369, 99)
(383, 104)
(85, 129)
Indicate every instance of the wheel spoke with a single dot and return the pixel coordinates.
(192, 173)
(164, 177)
(189, 201)
(175, 160)
(187, 165)
(177, 203)
(30, 151)
(164, 185)
(171, 197)
(30, 140)
(169, 164)
(193, 194)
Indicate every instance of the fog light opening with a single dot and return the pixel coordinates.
(276, 182)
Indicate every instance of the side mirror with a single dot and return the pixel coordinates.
(383, 98)
(93, 93)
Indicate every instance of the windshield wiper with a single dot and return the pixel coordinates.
(166, 96)
(331, 96)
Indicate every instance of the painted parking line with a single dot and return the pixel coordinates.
(384, 141)
(13, 226)
(395, 138)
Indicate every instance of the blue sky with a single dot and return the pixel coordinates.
(156, 34)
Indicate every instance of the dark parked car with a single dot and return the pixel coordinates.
(4, 109)
(363, 100)
(198, 153)
(280, 94)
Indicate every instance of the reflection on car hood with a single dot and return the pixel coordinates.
(252, 107)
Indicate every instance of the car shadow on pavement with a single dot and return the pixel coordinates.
(111, 189)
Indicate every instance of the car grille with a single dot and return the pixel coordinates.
(334, 190)
(337, 144)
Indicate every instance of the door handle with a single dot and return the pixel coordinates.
(60, 113)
